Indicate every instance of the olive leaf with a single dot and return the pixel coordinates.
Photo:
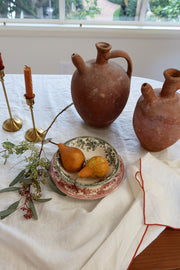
(5, 158)
(9, 189)
(44, 200)
(18, 178)
(54, 188)
(33, 209)
(8, 145)
(20, 150)
(12, 208)
(25, 181)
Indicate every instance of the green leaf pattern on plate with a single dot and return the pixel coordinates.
(91, 146)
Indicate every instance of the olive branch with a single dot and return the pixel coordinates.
(32, 177)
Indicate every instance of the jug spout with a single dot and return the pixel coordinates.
(148, 92)
(79, 63)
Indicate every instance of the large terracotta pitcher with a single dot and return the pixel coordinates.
(156, 117)
(99, 88)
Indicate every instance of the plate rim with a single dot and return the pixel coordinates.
(100, 182)
(75, 194)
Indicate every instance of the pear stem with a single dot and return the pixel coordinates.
(53, 142)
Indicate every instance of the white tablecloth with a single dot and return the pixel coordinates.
(63, 237)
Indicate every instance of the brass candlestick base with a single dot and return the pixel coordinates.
(12, 124)
(33, 134)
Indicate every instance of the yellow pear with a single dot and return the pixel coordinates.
(72, 158)
(96, 166)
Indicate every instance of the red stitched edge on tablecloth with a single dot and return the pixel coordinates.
(144, 195)
(144, 212)
(142, 186)
(138, 246)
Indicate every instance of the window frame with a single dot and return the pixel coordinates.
(94, 24)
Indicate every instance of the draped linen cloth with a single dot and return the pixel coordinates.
(72, 234)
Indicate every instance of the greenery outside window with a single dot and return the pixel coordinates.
(116, 12)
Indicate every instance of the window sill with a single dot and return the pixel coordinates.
(69, 30)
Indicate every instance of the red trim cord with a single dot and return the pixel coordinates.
(140, 173)
(144, 201)
(142, 186)
(144, 215)
(136, 177)
(138, 246)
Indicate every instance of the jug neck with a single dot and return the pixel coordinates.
(103, 52)
(172, 82)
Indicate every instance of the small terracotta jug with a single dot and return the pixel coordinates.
(99, 88)
(156, 117)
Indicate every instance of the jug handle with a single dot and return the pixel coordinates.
(119, 53)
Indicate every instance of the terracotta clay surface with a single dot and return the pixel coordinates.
(100, 89)
(156, 117)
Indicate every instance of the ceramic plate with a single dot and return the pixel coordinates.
(90, 146)
(89, 188)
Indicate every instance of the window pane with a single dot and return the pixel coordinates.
(29, 9)
(164, 10)
(123, 10)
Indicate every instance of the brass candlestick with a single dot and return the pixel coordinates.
(33, 134)
(11, 124)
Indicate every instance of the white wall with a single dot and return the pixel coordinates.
(48, 50)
